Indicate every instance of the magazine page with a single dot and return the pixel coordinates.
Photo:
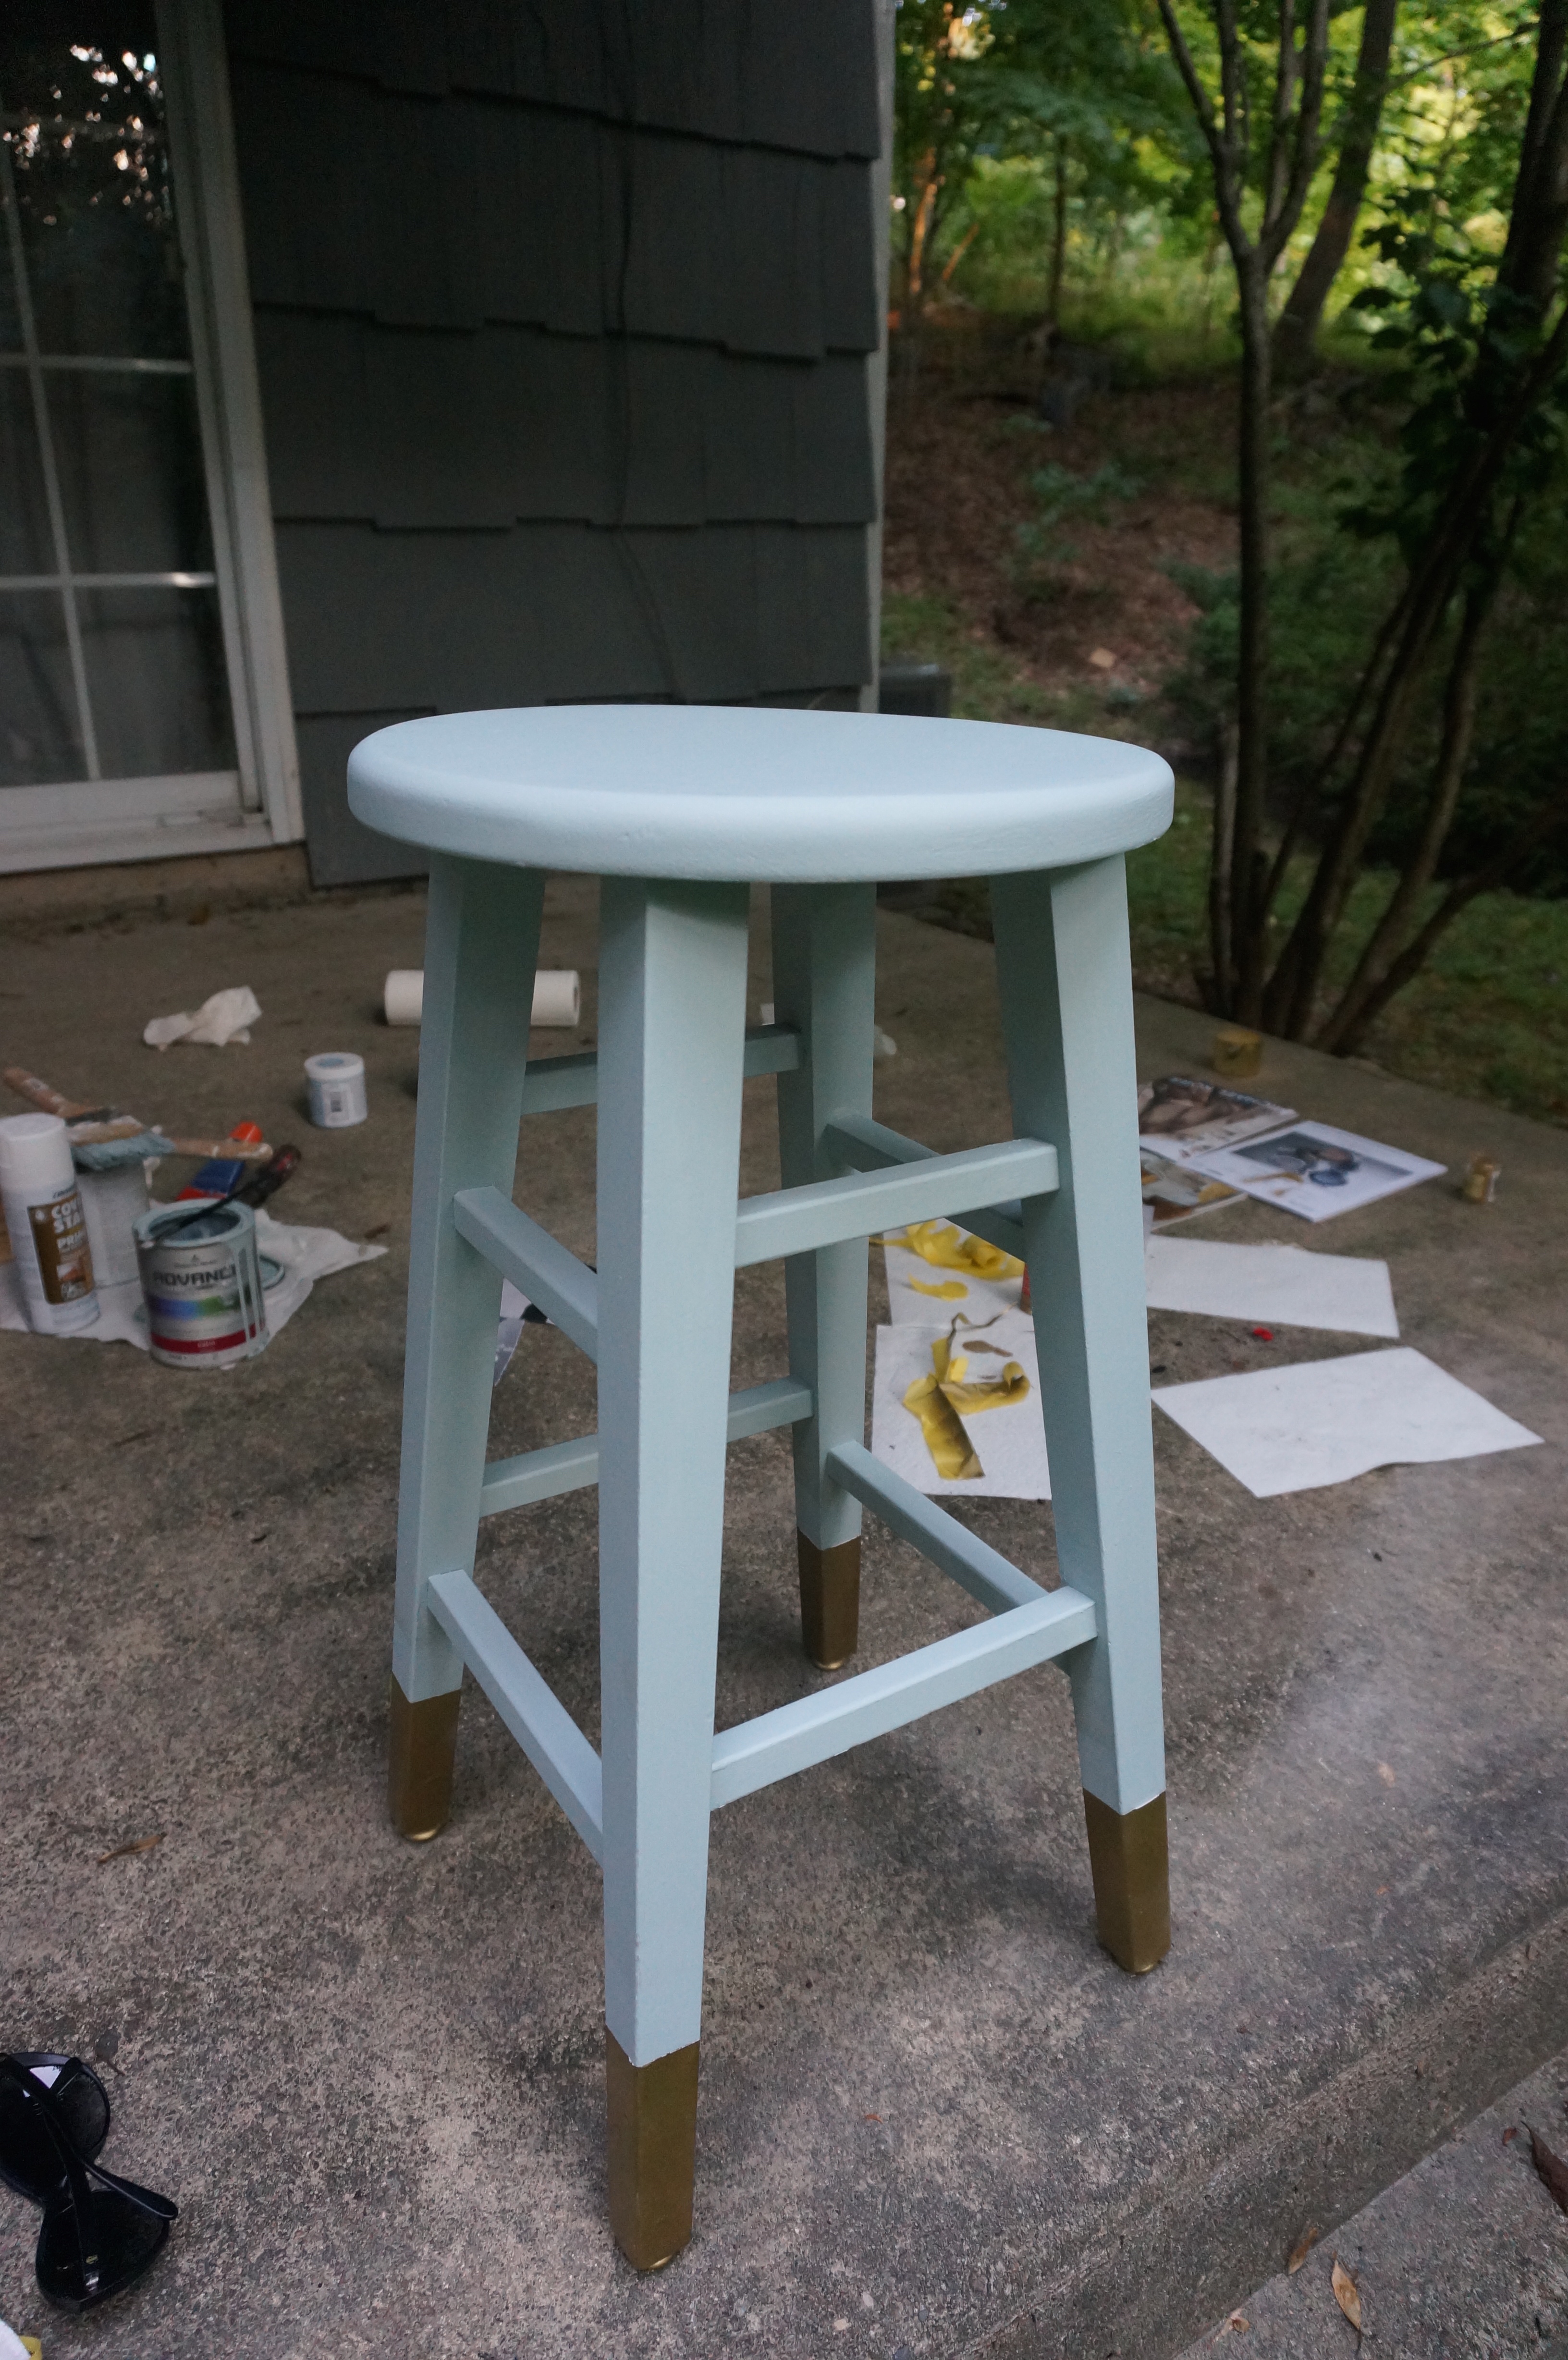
(1177, 1192)
(1316, 1170)
(1184, 1119)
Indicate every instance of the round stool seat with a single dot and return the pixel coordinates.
(756, 795)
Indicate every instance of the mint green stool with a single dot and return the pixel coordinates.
(680, 810)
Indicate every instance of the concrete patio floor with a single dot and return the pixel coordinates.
(935, 2118)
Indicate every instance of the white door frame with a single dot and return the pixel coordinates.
(95, 820)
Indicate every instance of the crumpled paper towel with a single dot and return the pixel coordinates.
(227, 1016)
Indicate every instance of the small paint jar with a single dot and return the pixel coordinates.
(47, 1224)
(202, 1283)
(336, 1081)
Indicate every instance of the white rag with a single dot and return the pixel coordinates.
(227, 1016)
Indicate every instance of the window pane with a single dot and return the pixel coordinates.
(155, 674)
(92, 169)
(38, 739)
(129, 455)
(25, 543)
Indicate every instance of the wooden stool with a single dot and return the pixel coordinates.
(679, 810)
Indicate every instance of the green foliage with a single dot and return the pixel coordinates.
(1058, 495)
(992, 100)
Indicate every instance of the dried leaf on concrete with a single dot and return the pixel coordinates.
(1303, 2247)
(1346, 2294)
(128, 1850)
(1553, 2170)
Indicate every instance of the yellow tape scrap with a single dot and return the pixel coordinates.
(948, 1395)
(946, 1248)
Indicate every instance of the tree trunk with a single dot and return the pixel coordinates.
(1058, 237)
(1242, 991)
(1295, 336)
(1536, 831)
(1351, 1018)
(1219, 985)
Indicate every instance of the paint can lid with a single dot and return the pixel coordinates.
(335, 1065)
(35, 1152)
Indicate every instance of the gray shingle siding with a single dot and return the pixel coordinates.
(561, 309)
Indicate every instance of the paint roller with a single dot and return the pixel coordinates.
(557, 997)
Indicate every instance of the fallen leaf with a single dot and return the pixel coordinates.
(1385, 1775)
(1235, 2325)
(1303, 2247)
(1512, 2133)
(124, 1852)
(1346, 2294)
(873, 2118)
(1553, 2170)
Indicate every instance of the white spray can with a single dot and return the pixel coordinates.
(47, 1225)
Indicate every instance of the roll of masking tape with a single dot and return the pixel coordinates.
(557, 997)
(403, 995)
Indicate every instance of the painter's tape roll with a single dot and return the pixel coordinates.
(557, 997)
(403, 995)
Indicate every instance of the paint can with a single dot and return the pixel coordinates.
(336, 1080)
(201, 1285)
(1479, 1185)
(46, 1226)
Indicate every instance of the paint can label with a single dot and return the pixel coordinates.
(60, 1240)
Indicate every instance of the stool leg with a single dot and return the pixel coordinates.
(824, 977)
(672, 1040)
(481, 948)
(1064, 967)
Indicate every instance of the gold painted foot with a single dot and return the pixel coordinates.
(830, 1601)
(423, 1746)
(652, 2152)
(1132, 1881)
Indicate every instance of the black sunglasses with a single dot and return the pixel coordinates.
(99, 2232)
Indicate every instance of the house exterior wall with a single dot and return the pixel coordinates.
(562, 314)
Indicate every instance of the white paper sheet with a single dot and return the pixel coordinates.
(1316, 1170)
(1009, 1443)
(305, 1255)
(1318, 1422)
(911, 1279)
(1289, 1284)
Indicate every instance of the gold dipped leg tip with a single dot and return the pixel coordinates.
(652, 2152)
(830, 1601)
(1129, 1857)
(421, 1752)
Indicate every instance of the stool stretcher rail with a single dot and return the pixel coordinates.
(526, 1702)
(825, 1212)
(799, 1736)
(572, 1466)
(978, 1567)
(867, 1146)
(553, 1083)
(565, 1289)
